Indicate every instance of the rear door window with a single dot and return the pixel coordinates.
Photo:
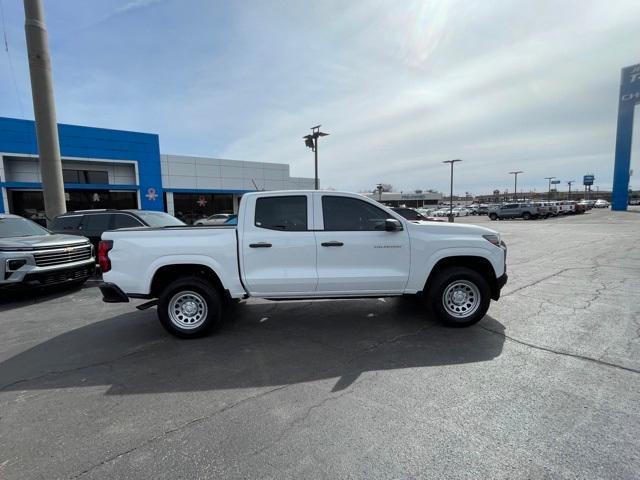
(66, 223)
(98, 222)
(121, 220)
(288, 213)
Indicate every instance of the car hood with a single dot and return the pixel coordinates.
(446, 228)
(34, 242)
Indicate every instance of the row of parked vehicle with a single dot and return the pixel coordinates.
(31, 255)
(535, 210)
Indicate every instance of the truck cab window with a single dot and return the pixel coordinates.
(288, 213)
(351, 214)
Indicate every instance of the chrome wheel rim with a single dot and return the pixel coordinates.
(461, 299)
(187, 310)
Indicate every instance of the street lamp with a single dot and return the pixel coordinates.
(569, 183)
(311, 141)
(379, 187)
(515, 184)
(451, 191)
(549, 191)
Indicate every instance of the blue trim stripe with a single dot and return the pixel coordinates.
(206, 190)
(71, 186)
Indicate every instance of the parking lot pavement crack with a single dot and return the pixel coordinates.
(77, 369)
(561, 352)
(184, 426)
(297, 421)
(543, 279)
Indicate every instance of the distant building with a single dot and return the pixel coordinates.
(402, 199)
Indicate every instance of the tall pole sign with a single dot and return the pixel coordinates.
(629, 98)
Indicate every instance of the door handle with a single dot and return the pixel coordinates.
(260, 245)
(332, 244)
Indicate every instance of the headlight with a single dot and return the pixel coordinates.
(493, 238)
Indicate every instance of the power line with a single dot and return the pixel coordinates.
(11, 69)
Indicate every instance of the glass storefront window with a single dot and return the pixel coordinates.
(190, 207)
(30, 203)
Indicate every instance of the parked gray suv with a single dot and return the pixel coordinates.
(31, 255)
(526, 211)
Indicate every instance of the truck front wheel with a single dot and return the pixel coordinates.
(493, 216)
(190, 307)
(458, 296)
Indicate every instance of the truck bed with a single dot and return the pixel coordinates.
(143, 250)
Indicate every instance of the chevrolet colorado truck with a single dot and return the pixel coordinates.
(303, 245)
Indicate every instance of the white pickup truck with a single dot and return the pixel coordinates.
(303, 245)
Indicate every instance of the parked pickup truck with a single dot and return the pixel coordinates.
(303, 245)
(527, 211)
(31, 255)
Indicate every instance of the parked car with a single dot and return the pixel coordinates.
(634, 201)
(303, 244)
(30, 255)
(93, 223)
(585, 204)
(526, 211)
(217, 219)
(567, 207)
(601, 204)
(460, 212)
(413, 216)
(548, 209)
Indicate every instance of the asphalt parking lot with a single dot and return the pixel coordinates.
(546, 386)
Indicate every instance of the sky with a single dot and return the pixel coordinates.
(400, 86)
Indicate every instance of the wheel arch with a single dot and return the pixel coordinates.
(474, 262)
(168, 273)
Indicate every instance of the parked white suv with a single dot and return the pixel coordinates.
(303, 244)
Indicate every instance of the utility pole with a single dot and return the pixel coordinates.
(451, 190)
(44, 109)
(570, 182)
(549, 191)
(311, 141)
(515, 184)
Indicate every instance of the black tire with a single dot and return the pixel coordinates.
(202, 296)
(436, 296)
(526, 216)
(493, 216)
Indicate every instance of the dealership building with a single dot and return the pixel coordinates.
(105, 168)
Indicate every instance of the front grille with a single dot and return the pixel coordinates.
(59, 276)
(60, 256)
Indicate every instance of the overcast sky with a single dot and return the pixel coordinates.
(399, 85)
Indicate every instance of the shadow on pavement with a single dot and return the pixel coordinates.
(265, 345)
(17, 297)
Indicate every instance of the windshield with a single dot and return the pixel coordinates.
(159, 219)
(20, 227)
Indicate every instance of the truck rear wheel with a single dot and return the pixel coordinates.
(458, 296)
(526, 216)
(190, 307)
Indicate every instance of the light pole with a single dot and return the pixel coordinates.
(44, 109)
(451, 190)
(569, 183)
(311, 141)
(515, 184)
(549, 191)
(379, 187)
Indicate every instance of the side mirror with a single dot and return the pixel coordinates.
(392, 225)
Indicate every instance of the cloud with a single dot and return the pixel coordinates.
(400, 87)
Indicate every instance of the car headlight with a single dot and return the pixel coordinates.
(493, 238)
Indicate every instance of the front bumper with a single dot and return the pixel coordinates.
(500, 282)
(111, 293)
